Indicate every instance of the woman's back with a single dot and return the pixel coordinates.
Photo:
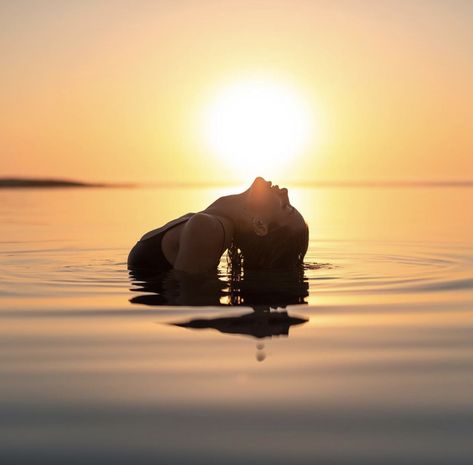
(148, 251)
(200, 237)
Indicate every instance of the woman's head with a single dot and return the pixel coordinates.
(275, 235)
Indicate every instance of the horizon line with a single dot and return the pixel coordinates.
(45, 182)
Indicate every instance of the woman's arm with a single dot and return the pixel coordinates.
(200, 244)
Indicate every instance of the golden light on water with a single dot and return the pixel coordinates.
(258, 126)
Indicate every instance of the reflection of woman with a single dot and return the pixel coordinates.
(260, 227)
(253, 288)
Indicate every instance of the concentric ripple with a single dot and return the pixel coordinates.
(403, 268)
(404, 271)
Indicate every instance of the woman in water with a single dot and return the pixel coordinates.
(259, 227)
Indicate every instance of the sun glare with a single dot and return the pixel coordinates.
(258, 126)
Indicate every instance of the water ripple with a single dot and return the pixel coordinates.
(332, 267)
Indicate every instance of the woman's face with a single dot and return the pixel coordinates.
(273, 205)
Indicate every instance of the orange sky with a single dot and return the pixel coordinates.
(110, 90)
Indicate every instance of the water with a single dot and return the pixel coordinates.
(368, 362)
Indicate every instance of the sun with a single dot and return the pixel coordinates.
(257, 126)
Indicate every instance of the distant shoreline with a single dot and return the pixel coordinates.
(51, 183)
(44, 183)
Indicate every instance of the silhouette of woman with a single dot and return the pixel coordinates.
(259, 227)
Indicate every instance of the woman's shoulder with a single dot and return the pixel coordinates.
(200, 245)
(202, 224)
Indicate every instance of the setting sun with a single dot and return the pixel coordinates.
(257, 125)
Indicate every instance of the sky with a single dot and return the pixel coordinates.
(116, 90)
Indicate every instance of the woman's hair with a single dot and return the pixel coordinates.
(281, 248)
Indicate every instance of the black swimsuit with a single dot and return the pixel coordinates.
(148, 253)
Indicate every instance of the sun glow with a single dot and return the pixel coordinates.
(258, 126)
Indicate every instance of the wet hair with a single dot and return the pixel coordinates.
(282, 248)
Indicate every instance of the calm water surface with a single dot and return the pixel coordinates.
(366, 360)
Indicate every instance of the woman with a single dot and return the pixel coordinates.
(259, 227)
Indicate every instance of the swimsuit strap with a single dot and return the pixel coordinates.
(223, 227)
